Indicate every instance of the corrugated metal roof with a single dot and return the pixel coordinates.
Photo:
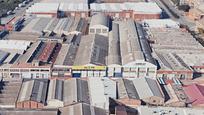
(14, 44)
(82, 91)
(66, 55)
(39, 91)
(13, 111)
(147, 87)
(97, 93)
(129, 42)
(28, 55)
(99, 19)
(130, 88)
(59, 90)
(65, 1)
(82, 109)
(160, 23)
(195, 93)
(73, 7)
(109, 87)
(140, 7)
(93, 49)
(70, 91)
(145, 47)
(26, 91)
(114, 56)
(122, 93)
(43, 8)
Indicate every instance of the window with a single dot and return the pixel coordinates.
(92, 31)
(24, 70)
(14, 70)
(98, 30)
(44, 70)
(104, 30)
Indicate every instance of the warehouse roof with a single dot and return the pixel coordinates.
(67, 54)
(29, 53)
(164, 39)
(114, 56)
(51, 25)
(130, 88)
(82, 109)
(147, 87)
(93, 49)
(3, 56)
(96, 90)
(73, 7)
(171, 61)
(13, 111)
(33, 90)
(140, 7)
(173, 92)
(22, 36)
(66, 26)
(145, 47)
(67, 92)
(109, 87)
(143, 7)
(70, 91)
(14, 44)
(122, 93)
(129, 42)
(69, 24)
(65, 1)
(145, 110)
(83, 91)
(37, 25)
(44, 54)
(12, 58)
(100, 90)
(55, 90)
(75, 90)
(26, 91)
(9, 92)
(160, 23)
(195, 93)
(193, 59)
(43, 8)
(99, 19)
(182, 48)
(39, 91)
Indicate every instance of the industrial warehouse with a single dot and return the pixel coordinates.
(111, 48)
(100, 57)
(137, 11)
(96, 58)
(102, 94)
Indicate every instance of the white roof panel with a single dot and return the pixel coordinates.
(139, 7)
